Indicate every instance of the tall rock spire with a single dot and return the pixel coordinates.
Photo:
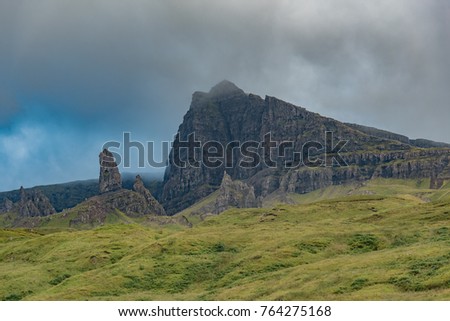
(110, 179)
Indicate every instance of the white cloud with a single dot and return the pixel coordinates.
(19, 147)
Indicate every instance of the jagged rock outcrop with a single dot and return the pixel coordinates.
(110, 179)
(97, 209)
(228, 114)
(33, 203)
(114, 201)
(139, 188)
(6, 206)
(137, 203)
(234, 194)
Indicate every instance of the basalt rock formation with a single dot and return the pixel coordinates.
(6, 205)
(110, 179)
(32, 204)
(96, 210)
(227, 114)
(29, 203)
(114, 200)
(139, 188)
(234, 194)
(423, 143)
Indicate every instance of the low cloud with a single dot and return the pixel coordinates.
(9, 106)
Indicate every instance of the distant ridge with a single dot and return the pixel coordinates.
(420, 142)
(67, 195)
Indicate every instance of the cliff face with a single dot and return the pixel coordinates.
(227, 114)
(234, 194)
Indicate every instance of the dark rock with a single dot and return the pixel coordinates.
(110, 179)
(379, 133)
(234, 194)
(97, 209)
(420, 142)
(134, 204)
(139, 188)
(33, 203)
(6, 206)
(426, 143)
(228, 114)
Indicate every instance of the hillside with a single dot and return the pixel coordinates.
(385, 240)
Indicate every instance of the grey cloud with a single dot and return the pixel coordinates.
(105, 57)
(115, 66)
(9, 106)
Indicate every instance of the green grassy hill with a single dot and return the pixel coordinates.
(385, 240)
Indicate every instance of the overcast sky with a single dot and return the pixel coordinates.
(75, 74)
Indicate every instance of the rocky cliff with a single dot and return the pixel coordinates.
(423, 143)
(114, 200)
(114, 203)
(227, 114)
(98, 209)
(234, 194)
(31, 203)
(6, 205)
(34, 204)
(139, 188)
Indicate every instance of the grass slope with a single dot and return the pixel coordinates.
(390, 244)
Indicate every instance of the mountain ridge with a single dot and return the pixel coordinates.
(227, 114)
(381, 133)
